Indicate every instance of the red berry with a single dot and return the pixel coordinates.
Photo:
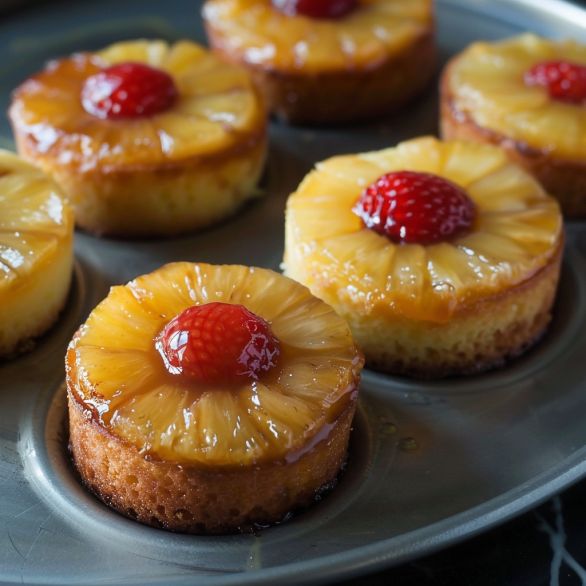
(218, 343)
(417, 208)
(128, 90)
(316, 8)
(564, 81)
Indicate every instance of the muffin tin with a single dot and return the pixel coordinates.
(430, 463)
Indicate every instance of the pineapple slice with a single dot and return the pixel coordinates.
(178, 170)
(216, 111)
(36, 232)
(115, 371)
(517, 232)
(486, 83)
(259, 34)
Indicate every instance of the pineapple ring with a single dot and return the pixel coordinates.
(173, 172)
(517, 232)
(217, 106)
(115, 373)
(254, 29)
(36, 252)
(486, 83)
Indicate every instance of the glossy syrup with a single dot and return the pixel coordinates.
(103, 410)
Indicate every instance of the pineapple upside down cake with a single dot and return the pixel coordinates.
(145, 138)
(36, 253)
(328, 61)
(443, 257)
(527, 95)
(208, 398)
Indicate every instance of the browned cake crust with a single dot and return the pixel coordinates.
(563, 179)
(197, 499)
(331, 97)
(476, 339)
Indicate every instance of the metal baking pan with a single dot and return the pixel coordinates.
(430, 463)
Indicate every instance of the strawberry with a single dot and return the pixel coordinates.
(321, 9)
(218, 343)
(128, 90)
(564, 81)
(415, 208)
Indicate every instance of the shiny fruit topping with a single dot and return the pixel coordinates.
(218, 343)
(326, 9)
(415, 208)
(564, 81)
(128, 90)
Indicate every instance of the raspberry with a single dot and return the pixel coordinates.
(328, 9)
(128, 90)
(417, 208)
(564, 81)
(218, 343)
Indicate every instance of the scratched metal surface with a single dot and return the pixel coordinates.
(486, 448)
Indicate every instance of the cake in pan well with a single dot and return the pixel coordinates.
(328, 61)
(36, 253)
(444, 257)
(527, 95)
(208, 399)
(145, 138)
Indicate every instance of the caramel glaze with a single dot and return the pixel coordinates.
(91, 415)
(471, 304)
(28, 142)
(96, 410)
(42, 140)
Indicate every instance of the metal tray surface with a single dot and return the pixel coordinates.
(429, 463)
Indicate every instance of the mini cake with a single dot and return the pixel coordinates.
(207, 398)
(145, 138)
(36, 253)
(527, 95)
(443, 257)
(328, 61)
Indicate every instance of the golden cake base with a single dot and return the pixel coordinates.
(30, 306)
(478, 337)
(157, 200)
